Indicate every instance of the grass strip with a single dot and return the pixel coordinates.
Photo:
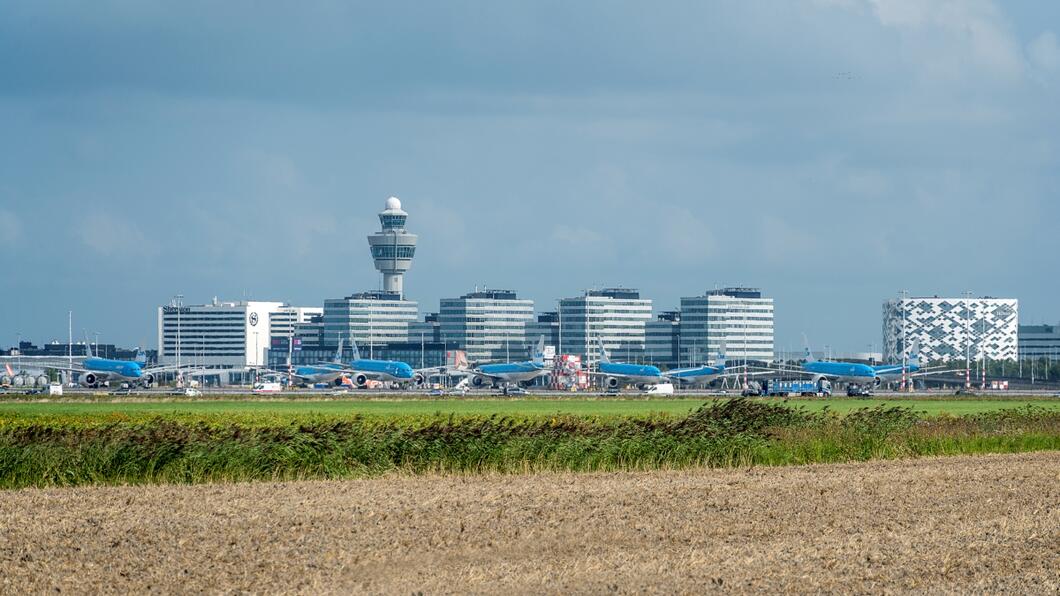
(180, 448)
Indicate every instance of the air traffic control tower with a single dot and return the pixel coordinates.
(393, 247)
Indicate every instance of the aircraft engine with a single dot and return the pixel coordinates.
(338, 382)
(612, 383)
(480, 381)
(5, 380)
(89, 380)
(360, 380)
(418, 379)
(147, 380)
(876, 382)
(43, 380)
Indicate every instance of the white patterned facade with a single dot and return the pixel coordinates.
(948, 328)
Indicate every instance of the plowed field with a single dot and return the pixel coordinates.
(950, 524)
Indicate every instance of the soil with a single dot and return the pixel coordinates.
(960, 524)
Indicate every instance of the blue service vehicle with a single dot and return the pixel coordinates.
(803, 388)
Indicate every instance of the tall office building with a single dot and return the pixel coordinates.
(615, 315)
(1039, 341)
(490, 325)
(369, 318)
(662, 339)
(739, 318)
(392, 247)
(221, 335)
(949, 328)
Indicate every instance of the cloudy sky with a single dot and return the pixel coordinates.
(830, 152)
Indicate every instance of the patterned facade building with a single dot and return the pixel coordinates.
(948, 329)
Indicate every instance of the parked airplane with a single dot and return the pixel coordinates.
(621, 373)
(861, 375)
(97, 372)
(893, 372)
(701, 374)
(510, 372)
(358, 370)
(324, 372)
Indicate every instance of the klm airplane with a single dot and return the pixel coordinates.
(853, 373)
(700, 374)
(97, 372)
(621, 373)
(512, 372)
(391, 371)
(359, 371)
(333, 372)
(889, 373)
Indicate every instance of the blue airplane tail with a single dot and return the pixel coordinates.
(141, 357)
(720, 362)
(914, 354)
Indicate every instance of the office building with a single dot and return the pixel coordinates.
(738, 318)
(662, 339)
(1039, 341)
(371, 319)
(949, 328)
(490, 325)
(615, 315)
(284, 321)
(545, 325)
(392, 247)
(428, 329)
(218, 335)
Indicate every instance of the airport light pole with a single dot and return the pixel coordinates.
(968, 340)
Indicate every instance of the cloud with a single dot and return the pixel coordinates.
(954, 39)
(1044, 52)
(109, 235)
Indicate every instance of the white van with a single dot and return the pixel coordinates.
(660, 389)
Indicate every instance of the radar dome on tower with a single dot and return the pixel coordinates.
(393, 204)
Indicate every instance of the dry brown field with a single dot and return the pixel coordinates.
(984, 523)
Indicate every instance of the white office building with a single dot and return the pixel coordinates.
(738, 318)
(370, 319)
(490, 325)
(615, 315)
(948, 329)
(218, 335)
(284, 321)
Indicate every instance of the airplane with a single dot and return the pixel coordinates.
(853, 373)
(619, 373)
(893, 372)
(358, 370)
(510, 372)
(705, 373)
(98, 372)
(324, 372)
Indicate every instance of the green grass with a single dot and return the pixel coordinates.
(271, 441)
(510, 407)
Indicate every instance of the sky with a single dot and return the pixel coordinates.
(830, 152)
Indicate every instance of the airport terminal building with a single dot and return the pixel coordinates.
(739, 318)
(1039, 341)
(219, 335)
(615, 315)
(949, 328)
(490, 325)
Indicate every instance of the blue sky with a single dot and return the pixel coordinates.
(831, 152)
